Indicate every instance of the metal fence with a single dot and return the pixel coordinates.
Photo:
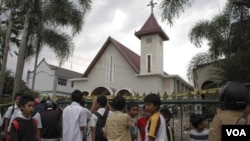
(180, 121)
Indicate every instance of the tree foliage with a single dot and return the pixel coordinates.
(228, 37)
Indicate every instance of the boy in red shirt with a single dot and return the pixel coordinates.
(142, 122)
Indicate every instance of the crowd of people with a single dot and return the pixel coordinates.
(118, 120)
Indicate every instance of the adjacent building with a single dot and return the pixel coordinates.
(52, 80)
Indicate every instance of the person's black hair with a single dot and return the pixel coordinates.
(102, 100)
(196, 119)
(153, 98)
(119, 103)
(76, 96)
(25, 99)
(166, 113)
(20, 94)
(131, 105)
(50, 104)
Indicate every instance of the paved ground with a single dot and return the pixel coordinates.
(181, 134)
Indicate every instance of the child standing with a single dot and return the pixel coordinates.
(23, 127)
(10, 114)
(199, 131)
(156, 126)
(117, 124)
(142, 122)
(133, 110)
(170, 131)
(98, 118)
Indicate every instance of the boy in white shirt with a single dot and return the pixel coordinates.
(74, 118)
(101, 103)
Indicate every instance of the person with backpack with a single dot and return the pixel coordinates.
(9, 115)
(98, 118)
(233, 99)
(24, 127)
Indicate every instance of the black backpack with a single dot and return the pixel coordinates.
(101, 121)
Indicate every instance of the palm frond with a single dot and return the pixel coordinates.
(199, 32)
(60, 43)
(172, 8)
(196, 62)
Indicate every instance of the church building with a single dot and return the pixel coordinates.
(116, 70)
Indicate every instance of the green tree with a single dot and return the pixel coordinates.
(234, 68)
(197, 61)
(171, 9)
(8, 33)
(58, 13)
(228, 40)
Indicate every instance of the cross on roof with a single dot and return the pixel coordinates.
(152, 4)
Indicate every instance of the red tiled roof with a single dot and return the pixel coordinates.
(132, 58)
(151, 27)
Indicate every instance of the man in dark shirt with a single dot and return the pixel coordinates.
(51, 122)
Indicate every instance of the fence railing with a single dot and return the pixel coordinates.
(180, 121)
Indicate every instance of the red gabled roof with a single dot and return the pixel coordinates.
(132, 58)
(151, 27)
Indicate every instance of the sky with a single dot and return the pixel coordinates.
(120, 19)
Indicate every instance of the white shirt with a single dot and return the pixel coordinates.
(37, 117)
(88, 112)
(87, 129)
(161, 134)
(94, 118)
(74, 117)
(13, 116)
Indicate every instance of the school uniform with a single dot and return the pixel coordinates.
(93, 120)
(74, 117)
(37, 117)
(87, 130)
(9, 115)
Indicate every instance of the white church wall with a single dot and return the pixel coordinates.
(101, 74)
(150, 84)
(169, 86)
(124, 76)
(154, 47)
